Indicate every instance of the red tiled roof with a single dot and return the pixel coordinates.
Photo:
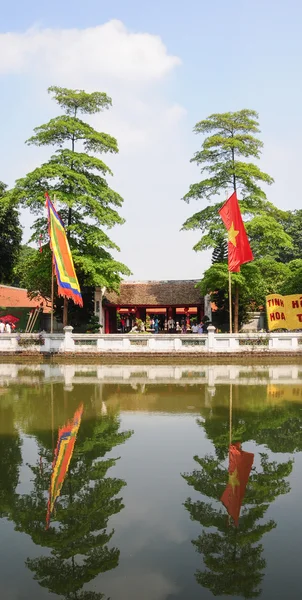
(12, 297)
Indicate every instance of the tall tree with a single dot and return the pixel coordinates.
(225, 159)
(86, 203)
(11, 235)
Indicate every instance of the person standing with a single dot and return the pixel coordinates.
(2, 327)
(171, 325)
(156, 324)
(8, 328)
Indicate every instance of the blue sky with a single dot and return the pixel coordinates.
(219, 56)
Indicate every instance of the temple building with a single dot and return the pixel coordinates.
(140, 299)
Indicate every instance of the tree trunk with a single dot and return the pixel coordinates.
(65, 312)
(236, 310)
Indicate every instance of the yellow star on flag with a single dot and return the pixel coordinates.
(232, 234)
(233, 480)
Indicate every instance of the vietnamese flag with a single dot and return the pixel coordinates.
(240, 464)
(239, 250)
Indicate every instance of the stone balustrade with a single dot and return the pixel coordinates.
(218, 343)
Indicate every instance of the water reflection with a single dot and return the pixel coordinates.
(177, 412)
(67, 437)
(233, 556)
(77, 538)
(10, 457)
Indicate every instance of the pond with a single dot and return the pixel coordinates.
(111, 481)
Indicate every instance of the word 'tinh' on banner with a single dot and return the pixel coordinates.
(284, 312)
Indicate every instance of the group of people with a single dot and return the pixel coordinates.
(6, 327)
(157, 324)
(184, 326)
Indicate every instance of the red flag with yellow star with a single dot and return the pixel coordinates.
(239, 250)
(240, 464)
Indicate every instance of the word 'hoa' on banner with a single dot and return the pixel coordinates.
(284, 312)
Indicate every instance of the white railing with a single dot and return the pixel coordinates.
(211, 342)
(278, 376)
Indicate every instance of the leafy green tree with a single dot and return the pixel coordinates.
(33, 272)
(248, 282)
(230, 138)
(268, 237)
(78, 538)
(292, 224)
(11, 235)
(255, 281)
(293, 283)
(86, 203)
(273, 273)
(225, 159)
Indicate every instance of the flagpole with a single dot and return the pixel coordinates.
(52, 283)
(231, 412)
(52, 417)
(230, 302)
(52, 297)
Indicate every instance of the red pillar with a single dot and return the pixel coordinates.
(107, 327)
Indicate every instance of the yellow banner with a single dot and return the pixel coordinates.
(284, 312)
(279, 393)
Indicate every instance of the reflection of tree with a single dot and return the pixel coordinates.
(78, 534)
(10, 457)
(233, 556)
(277, 426)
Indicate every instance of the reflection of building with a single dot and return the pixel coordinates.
(176, 299)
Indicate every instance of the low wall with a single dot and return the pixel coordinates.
(211, 342)
(210, 375)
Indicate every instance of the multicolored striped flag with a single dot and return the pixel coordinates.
(65, 446)
(68, 285)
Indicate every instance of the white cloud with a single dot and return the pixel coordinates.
(152, 171)
(107, 49)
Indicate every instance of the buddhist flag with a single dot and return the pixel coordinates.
(240, 464)
(239, 250)
(68, 285)
(65, 446)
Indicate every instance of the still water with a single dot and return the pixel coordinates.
(136, 513)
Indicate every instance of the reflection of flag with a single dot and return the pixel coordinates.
(63, 453)
(240, 464)
(238, 245)
(68, 284)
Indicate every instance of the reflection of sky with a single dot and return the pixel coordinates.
(283, 575)
(154, 531)
(16, 581)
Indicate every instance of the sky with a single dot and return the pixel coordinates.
(166, 64)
